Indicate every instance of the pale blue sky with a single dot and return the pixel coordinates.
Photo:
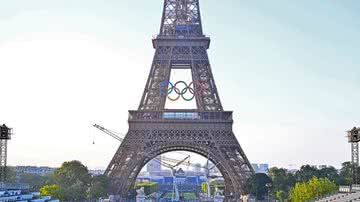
(288, 69)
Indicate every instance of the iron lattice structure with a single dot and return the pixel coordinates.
(154, 130)
(5, 135)
(355, 153)
(354, 139)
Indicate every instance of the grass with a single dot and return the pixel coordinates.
(186, 195)
(189, 195)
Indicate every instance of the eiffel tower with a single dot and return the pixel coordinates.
(154, 130)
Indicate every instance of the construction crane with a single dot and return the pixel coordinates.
(117, 135)
(110, 132)
(5, 135)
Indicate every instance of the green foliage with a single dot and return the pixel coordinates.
(216, 184)
(53, 190)
(70, 182)
(257, 185)
(315, 187)
(149, 187)
(331, 173)
(74, 178)
(281, 195)
(306, 173)
(10, 174)
(72, 172)
(99, 186)
(189, 196)
(35, 181)
(345, 175)
(213, 185)
(282, 179)
(204, 187)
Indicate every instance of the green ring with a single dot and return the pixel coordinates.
(182, 95)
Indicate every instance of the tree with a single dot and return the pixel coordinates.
(10, 174)
(306, 173)
(314, 188)
(99, 186)
(54, 191)
(35, 181)
(282, 180)
(281, 195)
(256, 185)
(213, 185)
(346, 176)
(330, 173)
(74, 178)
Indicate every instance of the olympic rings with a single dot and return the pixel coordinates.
(196, 90)
(162, 86)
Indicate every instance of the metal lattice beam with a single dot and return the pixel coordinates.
(3, 159)
(355, 153)
(154, 130)
(5, 135)
(181, 17)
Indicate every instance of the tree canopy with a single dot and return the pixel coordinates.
(99, 186)
(257, 185)
(284, 180)
(72, 182)
(74, 178)
(35, 181)
(314, 188)
(53, 190)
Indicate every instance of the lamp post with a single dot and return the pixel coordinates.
(268, 185)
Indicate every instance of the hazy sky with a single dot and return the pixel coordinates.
(288, 69)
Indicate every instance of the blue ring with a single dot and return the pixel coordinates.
(171, 89)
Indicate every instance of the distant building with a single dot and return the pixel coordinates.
(197, 167)
(255, 167)
(194, 173)
(34, 170)
(264, 167)
(261, 168)
(154, 166)
(96, 172)
(165, 173)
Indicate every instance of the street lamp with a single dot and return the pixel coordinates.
(268, 185)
